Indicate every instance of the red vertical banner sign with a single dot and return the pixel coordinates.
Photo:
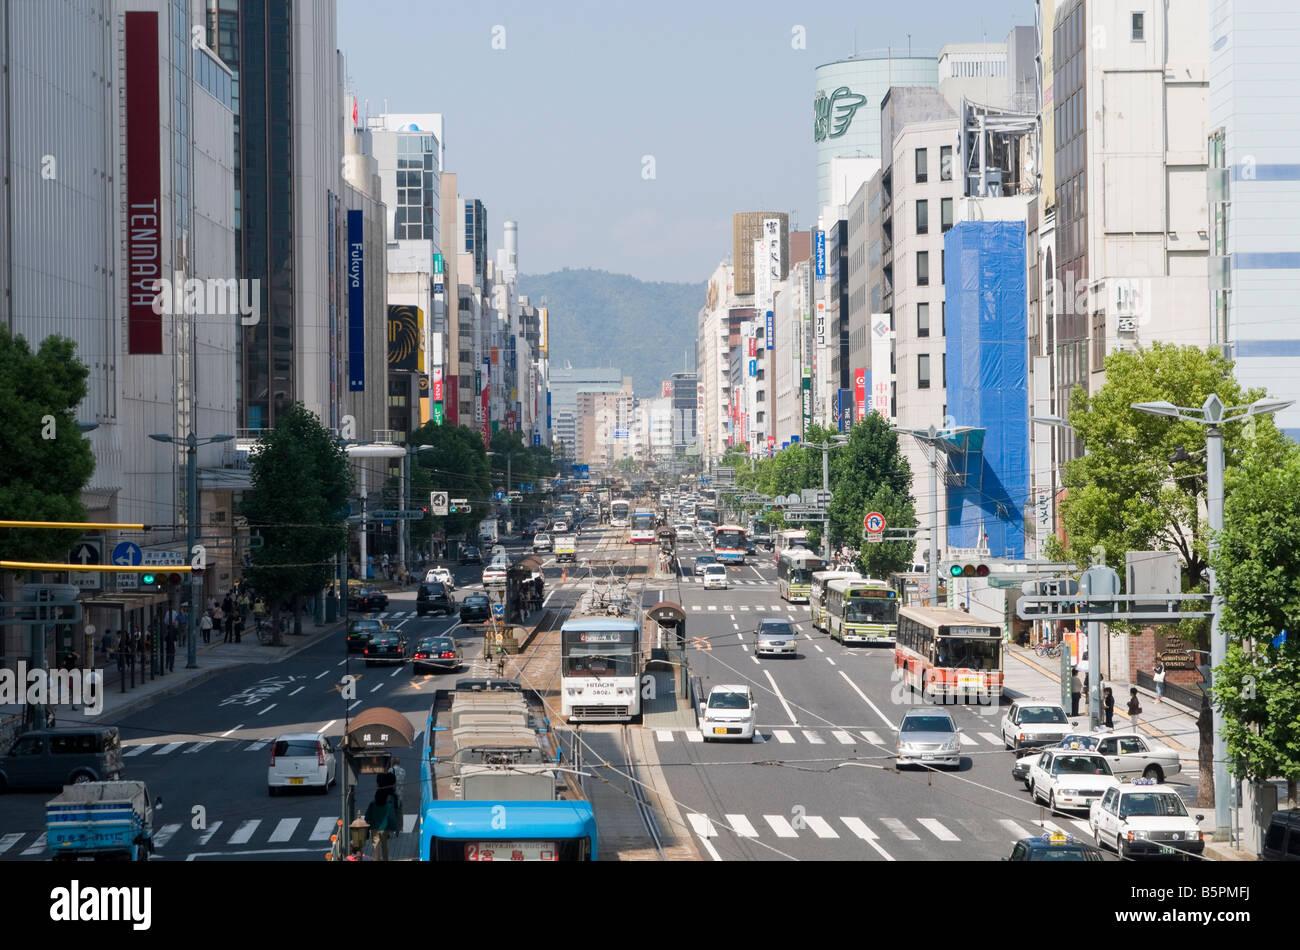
(860, 392)
(453, 402)
(487, 417)
(143, 185)
(437, 384)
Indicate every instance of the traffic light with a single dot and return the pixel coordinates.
(963, 569)
(148, 579)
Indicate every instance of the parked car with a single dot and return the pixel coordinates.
(52, 758)
(1130, 755)
(928, 737)
(301, 759)
(436, 653)
(1034, 722)
(1282, 837)
(1064, 778)
(475, 607)
(360, 633)
(729, 712)
(440, 575)
(1054, 846)
(703, 561)
(366, 598)
(386, 647)
(469, 555)
(775, 637)
(1144, 818)
(715, 576)
(434, 598)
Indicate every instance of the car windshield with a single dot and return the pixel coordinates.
(927, 724)
(366, 626)
(704, 560)
(1059, 853)
(776, 630)
(1080, 765)
(728, 701)
(1042, 714)
(477, 600)
(716, 569)
(1151, 804)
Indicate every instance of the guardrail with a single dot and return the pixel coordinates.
(1179, 694)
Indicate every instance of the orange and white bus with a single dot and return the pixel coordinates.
(948, 655)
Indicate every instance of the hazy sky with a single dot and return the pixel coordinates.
(551, 130)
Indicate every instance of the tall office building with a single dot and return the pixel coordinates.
(746, 228)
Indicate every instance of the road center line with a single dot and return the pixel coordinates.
(873, 706)
(267, 709)
(784, 704)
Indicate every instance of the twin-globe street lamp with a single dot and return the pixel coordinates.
(192, 443)
(1214, 414)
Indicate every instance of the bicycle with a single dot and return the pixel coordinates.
(265, 632)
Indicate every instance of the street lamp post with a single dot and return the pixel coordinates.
(192, 443)
(1214, 415)
(837, 442)
(932, 437)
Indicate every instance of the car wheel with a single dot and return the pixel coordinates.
(1120, 850)
(325, 786)
(82, 778)
(1155, 772)
(1033, 792)
(1051, 800)
(1026, 781)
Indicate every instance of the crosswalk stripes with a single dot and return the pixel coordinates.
(701, 825)
(284, 830)
(936, 826)
(9, 840)
(165, 834)
(408, 824)
(198, 747)
(741, 826)
(245, 831)
(967, 740)
(872, 737)
(37, 846)
(899, 829)
(324, 828)
(813, 738)
(991, 737)
(820, 827)
(694, 735)
(138, 749)
(782, 736)
(859, 828)
(780, 826)
(842, 737)
(212, 830)
(259, 744)
(169, 748)
(664, 735)
(1016, 831)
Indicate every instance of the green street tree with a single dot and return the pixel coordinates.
(47, 460)
(301, 482)
(458, 465)
(870, 462)
(1126, 495)
(1257, 687)
(880, 559)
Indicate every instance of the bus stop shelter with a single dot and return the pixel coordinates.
(667, 621)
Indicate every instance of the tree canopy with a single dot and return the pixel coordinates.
(456, 463)
(48, 460)
(299, 503)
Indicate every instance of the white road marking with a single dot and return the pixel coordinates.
(199, 747)
(701, 825)
(745, 647)
(743, 607)
(8, 841)
(258, 744)
(319, 675)
(36, 846)
(740, 637)
(937, 829)
(284, 830)
(818, 647)
(821, 827)
(326, 727)
(872, 737)
(782, 736)
(694, 735)
(830, 661)
(859, 828)
(212, 830)
(244, 831)
(755, 659)
(842, 737)
(759, 607)
(1083, 826)
(813, 738)
(354, 705)
(298, 690)
(713, 606)
(169, 748)
(786, 706)
(755, 570)
(1016, 831)
(965, 739)
(390, 675)
(664, 735)
(408, 824)
(867, 701)
(324, 828)
(899, 829)
(741, 826)
(737, 627)
(780, 826)
(139, 750)
(236, 729)
(376, 687)
(996, 740)
(1050, 826)
(268, 709)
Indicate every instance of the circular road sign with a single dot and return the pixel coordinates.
(874, 522)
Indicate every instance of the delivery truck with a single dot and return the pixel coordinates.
(564, 547)
(101, 821)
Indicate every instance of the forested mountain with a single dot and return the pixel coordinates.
(601, 319)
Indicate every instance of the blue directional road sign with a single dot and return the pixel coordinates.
(499, 610)
(127, 554)
(500, 495)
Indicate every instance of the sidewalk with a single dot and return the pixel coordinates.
(213, 659)
(1169, 723)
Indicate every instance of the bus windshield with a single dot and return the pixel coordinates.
(706, 513)
(731, 540)
(965, 653)
(801, 575)
(644, 522)
(870, 610)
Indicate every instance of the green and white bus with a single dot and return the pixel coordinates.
(818, 592)
(861, 611)
(794, 571)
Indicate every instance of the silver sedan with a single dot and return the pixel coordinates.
(775, 638)
(927, 737)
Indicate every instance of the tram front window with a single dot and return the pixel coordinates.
(601, 662)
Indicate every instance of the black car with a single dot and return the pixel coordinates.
(386, 647)
(1282, 839)
(367, 599)
(475, 607)
(438, 653)
(469, 555)
(433, 598)
(1054, 847)
(360, 633)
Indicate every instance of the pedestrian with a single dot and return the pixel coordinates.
(106, 642)
(170, 642)
(1108, 701)
(238, 627)
(1076, 690)
(228, 612)
(1134, 707)
(384, 563)
(1159, 677)
(205, 626)
(381, 816)
(259, 609)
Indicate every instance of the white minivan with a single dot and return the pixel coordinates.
(301, 759)
(729, 713)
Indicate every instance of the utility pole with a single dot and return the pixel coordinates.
(826, 487)
(933, 437)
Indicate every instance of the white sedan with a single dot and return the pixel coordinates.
(684, 531)
(715, 576)
(440, 575)
(1142, 817)
(1131, 755)
(1064, 778)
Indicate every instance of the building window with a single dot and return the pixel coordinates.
(945, 163)
(943, 318)
(944, 364)
(923, 319)
(922, 166)
(922, 268)
(943, 260)
(923, 217)
(1139, 27)
(945, 215)
(923, 371)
